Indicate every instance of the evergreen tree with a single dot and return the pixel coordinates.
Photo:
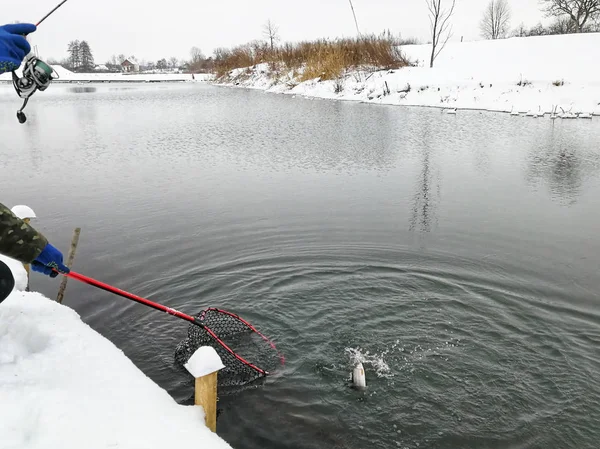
(86, 56)
(74, 54)
(161, 64)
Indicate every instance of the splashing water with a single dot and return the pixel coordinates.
(400, 357)
(376, 361)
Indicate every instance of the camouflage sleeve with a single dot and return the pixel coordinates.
(19, 240)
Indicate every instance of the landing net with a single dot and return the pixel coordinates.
(246, 353)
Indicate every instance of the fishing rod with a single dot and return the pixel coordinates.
(51, 12)
(37, 75)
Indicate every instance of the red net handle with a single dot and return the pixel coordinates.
(178, 314)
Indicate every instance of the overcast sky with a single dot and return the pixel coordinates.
(152, 30)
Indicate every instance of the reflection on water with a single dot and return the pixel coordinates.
(427, 193)
(561, 170)
(559, 162)
(82, 90)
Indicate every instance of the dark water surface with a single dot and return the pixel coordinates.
(456, 256)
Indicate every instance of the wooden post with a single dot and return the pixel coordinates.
(204, 364)
(26, 265)
(70, 258)
(206, 397)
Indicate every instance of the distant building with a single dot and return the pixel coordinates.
(101, 68)
(130, 65)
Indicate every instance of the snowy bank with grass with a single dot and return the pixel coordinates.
(62, 385)
(525, 75)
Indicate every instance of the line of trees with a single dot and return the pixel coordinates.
(199, 63)
(570, 16)
(172, 63)
(562, 25)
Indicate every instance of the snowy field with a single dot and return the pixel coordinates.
(554, 72)
(68, 76)
(62, 385)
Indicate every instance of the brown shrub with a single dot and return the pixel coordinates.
(327, 59)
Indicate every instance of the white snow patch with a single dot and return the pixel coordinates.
(62, 385)
(553, 72)
(204, 361)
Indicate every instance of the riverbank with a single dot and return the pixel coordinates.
(64, 385)
(66, 76)
(524, 75)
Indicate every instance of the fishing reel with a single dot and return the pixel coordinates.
(37, 75)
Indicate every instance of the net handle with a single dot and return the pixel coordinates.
(171, 311)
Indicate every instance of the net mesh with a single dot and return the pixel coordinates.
(246, 354)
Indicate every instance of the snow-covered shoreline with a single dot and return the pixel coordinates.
(67, 76)
(519, 75)
(63, 385)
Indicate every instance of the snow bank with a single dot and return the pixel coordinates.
(68, 76)
(62, 385)
(470, 75)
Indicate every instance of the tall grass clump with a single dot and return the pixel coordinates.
(325, 59)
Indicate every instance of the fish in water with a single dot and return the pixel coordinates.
(358, 376)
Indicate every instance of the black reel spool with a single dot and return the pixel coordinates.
(37, 75)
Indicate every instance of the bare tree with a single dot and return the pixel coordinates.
(173, 62)
(196, 55)
(520, 31)
(271, 32)
(580, 11)
(354, 14)
(538, 30)
(562, 25)
(441, 30)
(496, 20)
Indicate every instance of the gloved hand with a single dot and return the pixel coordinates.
(50, 259)
(13, 45)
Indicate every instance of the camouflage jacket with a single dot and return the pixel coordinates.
(19, 240)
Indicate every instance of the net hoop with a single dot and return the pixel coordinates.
(262, 372)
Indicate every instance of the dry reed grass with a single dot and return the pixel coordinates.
(324, 59)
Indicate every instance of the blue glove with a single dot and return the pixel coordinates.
(49, 260)
(13, 45)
